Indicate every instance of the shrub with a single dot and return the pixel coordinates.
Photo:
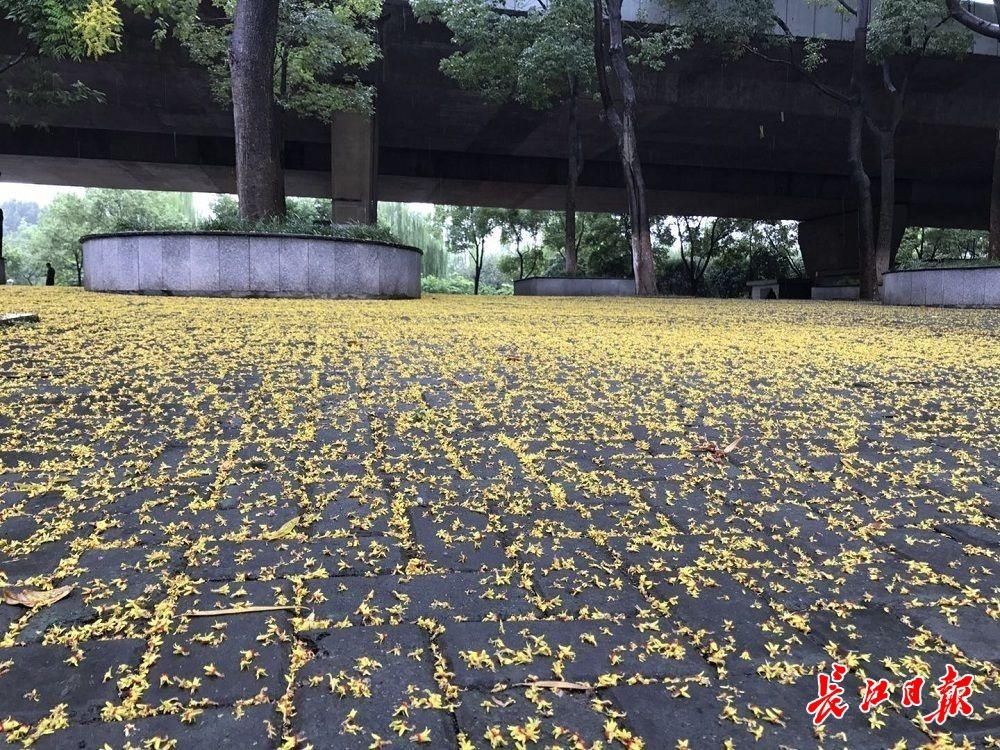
(461, 285)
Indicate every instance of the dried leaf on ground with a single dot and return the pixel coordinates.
(28, 597)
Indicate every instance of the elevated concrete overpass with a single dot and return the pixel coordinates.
(740, 138)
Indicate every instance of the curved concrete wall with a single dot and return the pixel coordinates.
(943, 287)
(571, 286)
(241, 265)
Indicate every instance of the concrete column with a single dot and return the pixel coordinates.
(831, 245)
(353, 167)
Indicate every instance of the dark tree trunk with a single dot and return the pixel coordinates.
(855, 156)
(259, 177)
(894, 98)
(863, 190)
(478, 259)
(3, 261)
(575, 167)
(887, 207)
(623, 125)
(994, 252)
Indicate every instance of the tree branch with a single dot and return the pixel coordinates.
(843, 4)
(790, 62)
(971, 21)
(600, 55)
(16, 61)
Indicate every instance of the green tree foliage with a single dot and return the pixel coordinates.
(525, 52)
(897, 29)
(930, 246)
(461, 285)
(321, 47)
(602, 245)
(519, 235)
(907, 29)
(18, 215)
(605, 245)
(55, 238)
(717, 257)
(757, 250)
(302, 214)
(64, 30)
(700, 241)
(69, 29)
(417, 229)
(468, 229)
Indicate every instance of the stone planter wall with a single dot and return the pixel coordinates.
(846, 292)
(573, 286)
(240, 265)
(943, 287)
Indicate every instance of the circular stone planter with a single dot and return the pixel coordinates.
(249, 265)
(573, 286)
(943, 287)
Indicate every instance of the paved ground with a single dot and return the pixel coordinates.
(445, 502)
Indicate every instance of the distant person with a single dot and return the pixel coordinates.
(50, 275)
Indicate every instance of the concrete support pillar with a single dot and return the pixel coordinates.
(353, 168)
(831, 245)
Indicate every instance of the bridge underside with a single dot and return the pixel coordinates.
(741, 138)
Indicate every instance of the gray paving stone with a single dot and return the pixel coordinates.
(485, 654)
(566, 719)
(353, 689)
(36, 678)
(451, 597)
(254, 727)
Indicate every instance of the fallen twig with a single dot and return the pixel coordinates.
(236, 611)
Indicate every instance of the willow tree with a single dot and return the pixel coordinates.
(538, 55)
(890, 40)
(991, 30)
(420, 230)
(269, 57)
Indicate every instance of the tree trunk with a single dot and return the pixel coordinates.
(3, 261)
(575, 167)
(478, 259)
(855, 156)
(994, 253)
(259, 177)
(863, 188)
(887, 209)
(623, 125)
